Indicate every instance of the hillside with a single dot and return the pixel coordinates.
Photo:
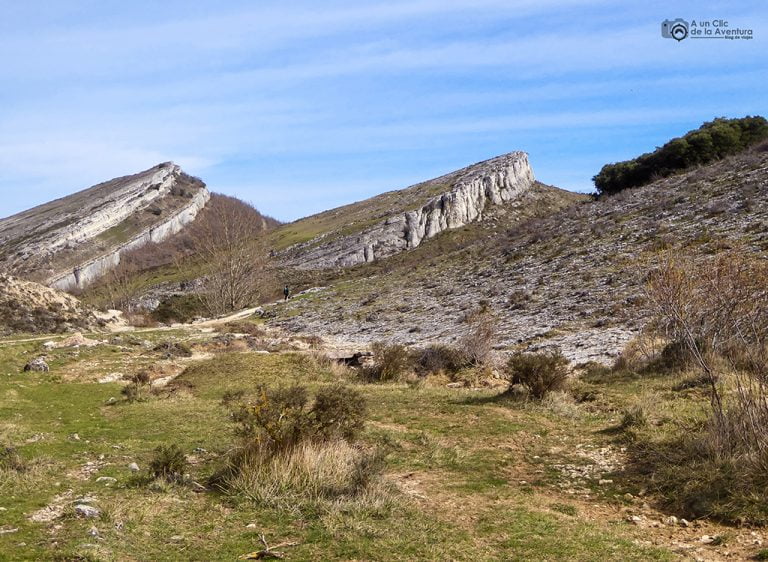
(568, 279)
(401, 220)
(70, 242)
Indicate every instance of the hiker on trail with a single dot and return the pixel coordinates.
(286, 292)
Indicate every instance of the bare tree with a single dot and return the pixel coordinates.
(228, 242)
(120, 286)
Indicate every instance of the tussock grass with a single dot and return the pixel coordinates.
(329, 475)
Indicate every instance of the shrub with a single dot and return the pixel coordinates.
(539, 373)
(11, 460)
(391, 362)
(634, 416)
(168, 463)
(179, 308)
(718, 312)
(138, 388)
(171, 349)
(438, 358)
(338, 412)
(281, 418)
(295, 453)
(477, 343)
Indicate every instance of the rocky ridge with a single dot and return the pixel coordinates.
(473, 190)
(69, 242)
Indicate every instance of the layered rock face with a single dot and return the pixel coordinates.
(474, 189)
(70, 242)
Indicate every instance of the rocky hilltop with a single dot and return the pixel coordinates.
(72, 241)
(448, 202)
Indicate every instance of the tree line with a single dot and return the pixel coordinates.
(712, 141)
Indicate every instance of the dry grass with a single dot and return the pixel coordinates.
(329, 475)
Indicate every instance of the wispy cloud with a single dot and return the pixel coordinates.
(333, 101)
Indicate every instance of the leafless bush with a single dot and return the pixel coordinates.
(440, 358)
(477, 343)
(717, 312)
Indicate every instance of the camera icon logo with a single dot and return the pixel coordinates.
(674, 29)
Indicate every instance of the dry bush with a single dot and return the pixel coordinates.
(561, 403)
(171, 349)
(477, 344)
(325, 473)
(539, 373)
(280, 418)
(716, 314)
(391, 362)
(11, 461)
(294, 453)
(639, 352)
(439, 358)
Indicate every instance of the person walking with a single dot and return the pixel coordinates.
(286, 292)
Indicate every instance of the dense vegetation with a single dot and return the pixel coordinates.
(712, 141)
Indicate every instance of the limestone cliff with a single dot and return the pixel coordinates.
(470, 192)
(72, 241)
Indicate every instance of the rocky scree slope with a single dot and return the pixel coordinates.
(72, 241)
(570, 279)
(401, 220)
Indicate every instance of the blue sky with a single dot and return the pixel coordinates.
(302, 106)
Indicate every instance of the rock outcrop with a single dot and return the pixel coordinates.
(72, 241)
(473, 190)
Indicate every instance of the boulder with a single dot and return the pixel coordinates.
(37, 364)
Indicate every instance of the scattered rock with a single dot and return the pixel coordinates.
(604, 482)
(38, 364)
(53, 510)
(94, 532)
(133, 467)
(111, 377)
(87, 511)
(685, 523)
(671, 520)
(106, 480)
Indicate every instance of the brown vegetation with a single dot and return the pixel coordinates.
(717, 311)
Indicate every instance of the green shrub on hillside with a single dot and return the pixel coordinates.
(712, 141)
(538, 373)
(168, 463)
